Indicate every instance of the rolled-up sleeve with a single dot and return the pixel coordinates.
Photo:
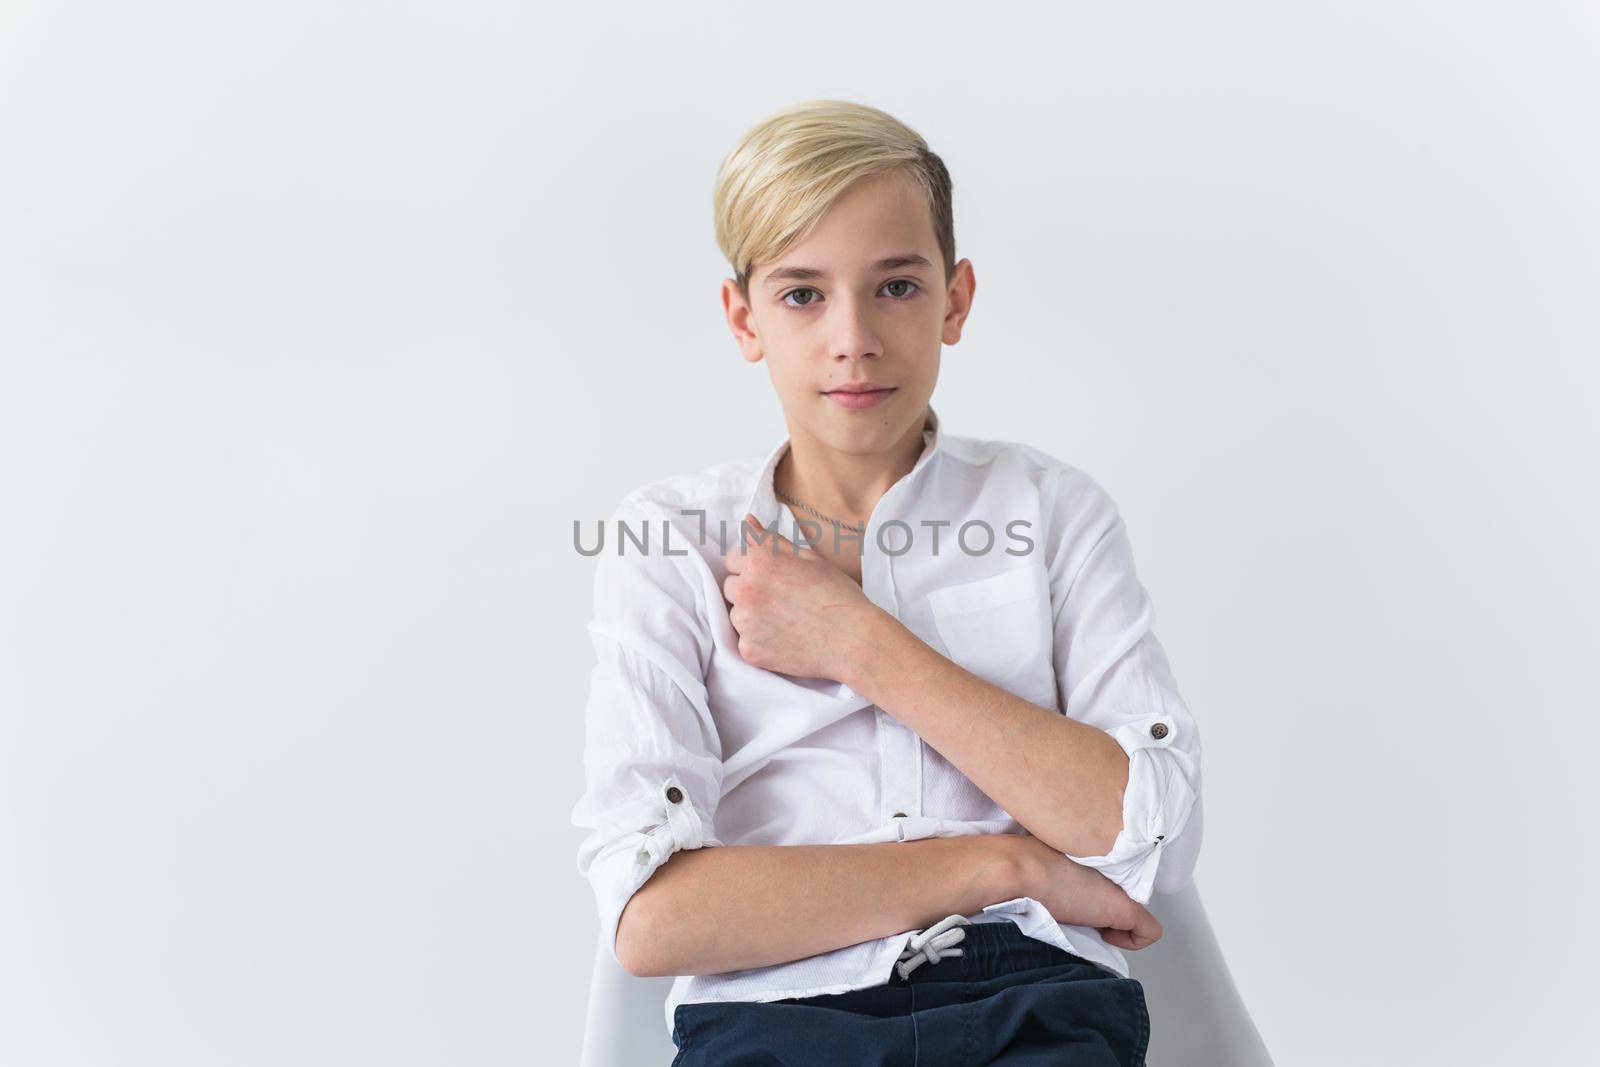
(1112, 673)
(652, 756)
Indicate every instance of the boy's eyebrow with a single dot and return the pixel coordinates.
(783, 274)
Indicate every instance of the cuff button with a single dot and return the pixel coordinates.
(674, 794)
(1158, 731)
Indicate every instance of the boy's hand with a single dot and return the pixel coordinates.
(1082, 896)
(796, 613)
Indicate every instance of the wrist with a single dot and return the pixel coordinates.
(874, 642)
(1014, 866)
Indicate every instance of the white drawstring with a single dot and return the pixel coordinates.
(933, 944)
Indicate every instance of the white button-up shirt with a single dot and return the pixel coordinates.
(689, 746)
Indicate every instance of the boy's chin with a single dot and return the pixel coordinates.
(862, 431)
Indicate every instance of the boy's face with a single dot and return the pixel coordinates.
(831, 312)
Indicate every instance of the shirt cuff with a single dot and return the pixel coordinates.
(1155, 807)
(616, 871)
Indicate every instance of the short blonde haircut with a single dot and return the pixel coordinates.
(788, 169)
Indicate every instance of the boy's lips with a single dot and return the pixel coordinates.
(860, 395)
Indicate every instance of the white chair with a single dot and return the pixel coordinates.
(1197, 1018)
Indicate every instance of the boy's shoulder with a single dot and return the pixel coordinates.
(728, 481)
(1013, 458)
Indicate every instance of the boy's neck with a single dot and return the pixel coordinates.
(844, 486)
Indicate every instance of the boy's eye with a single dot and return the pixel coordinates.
(906, 287)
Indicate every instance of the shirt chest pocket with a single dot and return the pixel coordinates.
(1000, 629)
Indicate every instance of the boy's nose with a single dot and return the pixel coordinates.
(853, 337)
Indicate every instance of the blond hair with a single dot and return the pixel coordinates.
(788, 169)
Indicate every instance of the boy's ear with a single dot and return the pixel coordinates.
(741, 320)
(958, 302)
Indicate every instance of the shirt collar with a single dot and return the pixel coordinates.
(763, 503)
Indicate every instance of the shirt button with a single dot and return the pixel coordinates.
(899, 815)
(674, 794)
(1158, 731)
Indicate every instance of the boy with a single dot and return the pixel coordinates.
(883, 758)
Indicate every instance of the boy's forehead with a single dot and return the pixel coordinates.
(877, 220)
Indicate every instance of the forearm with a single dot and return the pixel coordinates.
(1062, 779)
(731, 907)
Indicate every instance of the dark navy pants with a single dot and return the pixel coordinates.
(1009, 999)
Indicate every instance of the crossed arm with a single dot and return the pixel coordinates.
(710, 910)
(1061, 779)
(1095, 792)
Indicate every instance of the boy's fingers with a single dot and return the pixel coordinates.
(781, 542)
(1120, 938)
(1127, 939)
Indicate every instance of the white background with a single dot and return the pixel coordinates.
(321, 323)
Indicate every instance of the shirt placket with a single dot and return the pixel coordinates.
(899, 747)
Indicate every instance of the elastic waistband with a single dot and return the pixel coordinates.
(988, 950)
